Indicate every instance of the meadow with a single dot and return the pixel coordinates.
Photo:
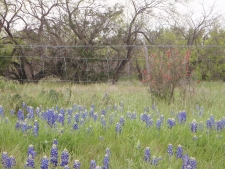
(112, 126)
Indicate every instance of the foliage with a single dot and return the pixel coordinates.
(167, 70)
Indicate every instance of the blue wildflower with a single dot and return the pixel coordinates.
(55, 141)
(122, 120)
(61, 119)
(44, 162)
(31, 151)
(193, 163)
(95, 116)
(106, 162)
(76, 117)
(76, 164)
(179, 153)
(20, 115)
(17, 126)
(64, 157)
(1, 111)
(35, 128)
(170, 149)
(103, 121)
(182, 117)
(92, 164)
(66, 167)
(30, 162)
(185, 162)
(54, 155)
(147, 154)
(154, 160)
(219, 125)
(194, 126)
(75, 126)
(118, 128)
(108, 152)
(171, 122)
(209, 124)
(8, 162)
(158, 124)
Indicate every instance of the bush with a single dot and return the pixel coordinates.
(167, 70)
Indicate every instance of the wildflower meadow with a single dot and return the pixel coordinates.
(51, 125)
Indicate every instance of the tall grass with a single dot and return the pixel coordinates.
(127, 149)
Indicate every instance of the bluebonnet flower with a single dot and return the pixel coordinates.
(30, 114)
(92, 164)
(61, 119)
(193, 163)
(158, 124)
(147, 154)
(54, 155)
(75, 126)
(122, 120)
(223, 122)
(8, 162)
(144, 117)
(106, 162)
(31, 151)
(118, 128)
(20, 115)
(149, 122)
(84, 114)
(103, 121)
(218, 125)
(182, 117)
(77, 116)
(212, 119)
(35, 128)
(185, 162)
(171, 122)
(44, 162)
(64, 157)
(17, 126)
(4, 157)
(66, 167)
(95, 116)
(103, 112)
(179, 153)
(128, 115)
(170, 149)
(76, 164)
(133, 115)
(154, 160)
(194, 126)
(37, 111)
(209, 124)
(24, 127)
(55, 141)
(1, 111)
(91, 113)
(30, 162)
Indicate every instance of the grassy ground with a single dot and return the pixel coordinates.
(127, 149)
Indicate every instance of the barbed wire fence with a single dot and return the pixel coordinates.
(85, 64)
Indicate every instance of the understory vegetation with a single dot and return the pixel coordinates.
(113, 126)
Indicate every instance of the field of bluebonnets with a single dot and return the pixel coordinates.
(58, 125)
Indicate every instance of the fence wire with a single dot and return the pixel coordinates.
(88, 64)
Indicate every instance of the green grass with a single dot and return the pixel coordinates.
(209, 149)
